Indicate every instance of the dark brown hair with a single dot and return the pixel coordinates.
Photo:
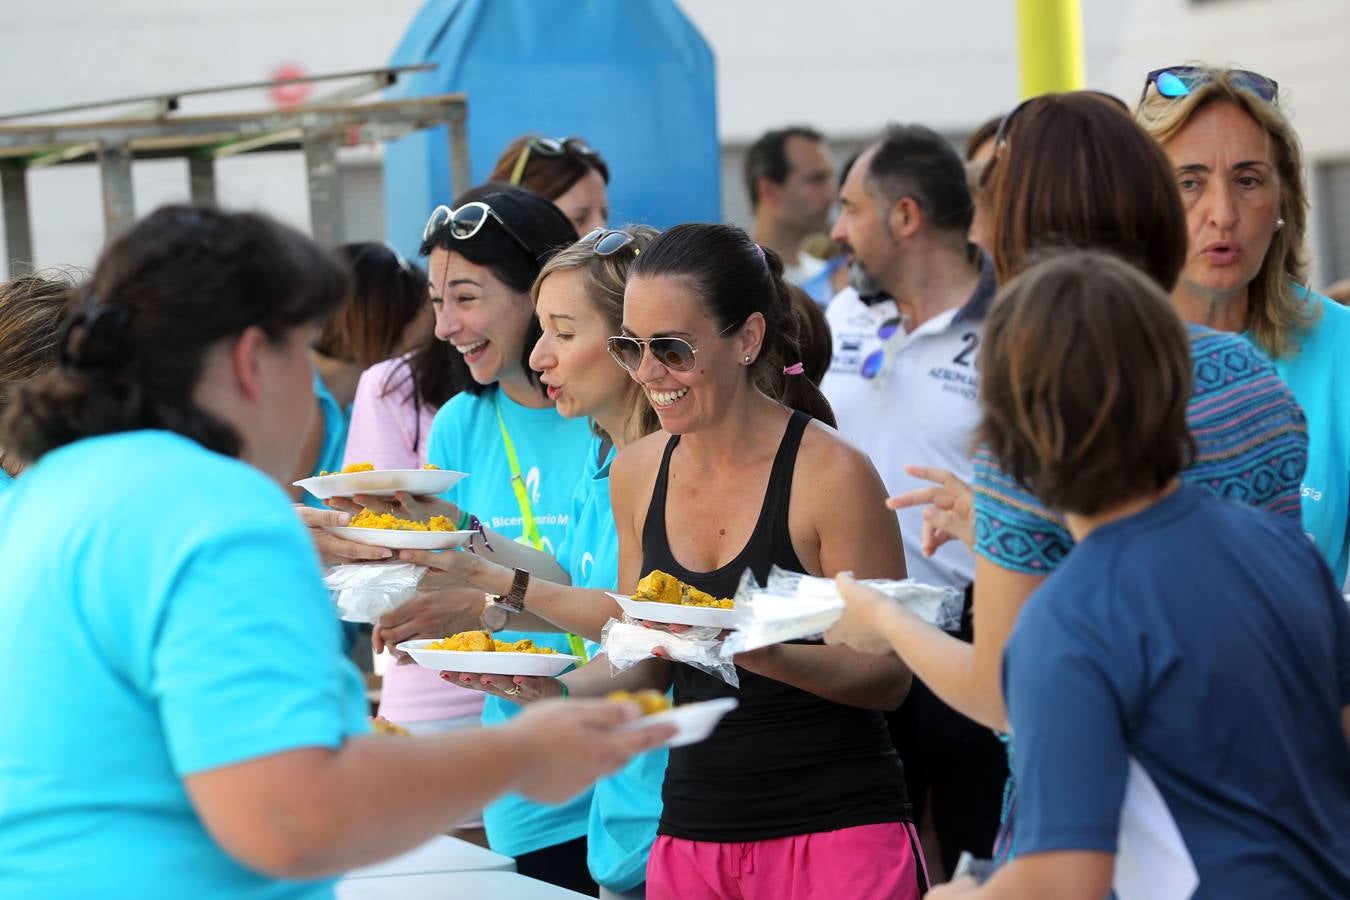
(1085, 376)
(767, 157)
(1075, 171)
(166, 292)
(548, 176)
(735, 278)
(388, 293)
(540, 230)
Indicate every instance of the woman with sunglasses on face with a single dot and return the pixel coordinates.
(579, 301)
(1239, 170)
(196, 730)
(800, 782)
(1100, 183)
(564, 170)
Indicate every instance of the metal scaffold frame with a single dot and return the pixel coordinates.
(152, 131)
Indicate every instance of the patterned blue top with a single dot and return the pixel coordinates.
(1252, 447)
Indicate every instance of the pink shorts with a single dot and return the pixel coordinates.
(869, 862)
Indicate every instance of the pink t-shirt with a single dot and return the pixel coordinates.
(391, 430)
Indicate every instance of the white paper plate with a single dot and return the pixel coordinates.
(546, 664)
(676, 614)
(402, 540)
(382, 483)
(693, 721)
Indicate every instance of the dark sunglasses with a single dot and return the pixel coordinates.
(467, 221)
(609, 242)
(548, 146)
(676, 354)
(1178, 81)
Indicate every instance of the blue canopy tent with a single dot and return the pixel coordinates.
(635, 79)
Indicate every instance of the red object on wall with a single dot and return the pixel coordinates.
(289, 94)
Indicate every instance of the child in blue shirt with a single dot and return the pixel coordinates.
(1178, 687)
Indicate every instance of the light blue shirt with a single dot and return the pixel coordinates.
(335, 423)
(551, 450)
(6, 481)
(1314, 375)
(164, 616)
(626, 806)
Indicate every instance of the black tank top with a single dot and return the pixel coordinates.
(785, 762)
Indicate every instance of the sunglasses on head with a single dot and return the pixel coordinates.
(676, 354)
(547, 146)
(467, 221)
(1178, 81)
(608, 242)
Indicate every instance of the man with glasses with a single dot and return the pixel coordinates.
(904, 385)
(790, 179)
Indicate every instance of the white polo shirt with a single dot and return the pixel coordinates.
(921, 408)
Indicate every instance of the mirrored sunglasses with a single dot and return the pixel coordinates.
(608, 242)
(1178, 81)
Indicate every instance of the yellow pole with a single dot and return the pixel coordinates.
(1050, 45)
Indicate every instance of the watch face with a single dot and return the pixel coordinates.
(494, 617)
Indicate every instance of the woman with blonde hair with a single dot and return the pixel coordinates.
(1239, 170)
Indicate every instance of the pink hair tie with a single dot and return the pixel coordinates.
(794, 369)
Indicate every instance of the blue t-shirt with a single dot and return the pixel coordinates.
(164, 616)
(625, 806)
(335, 422)
(1313, 374)
(6, 481)
(1251, 440)
(1198, 652)
(551, 450)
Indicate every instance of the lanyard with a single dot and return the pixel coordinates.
(530, 527)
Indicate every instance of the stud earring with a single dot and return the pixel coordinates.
(1279, 223)
(747, 360)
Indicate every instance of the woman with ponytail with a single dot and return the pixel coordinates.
(800, 782)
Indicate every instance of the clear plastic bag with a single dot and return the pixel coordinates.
(626, 643)
(791, 606)
(363, 592)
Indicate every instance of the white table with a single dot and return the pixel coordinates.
(456, 885)
(439, 855)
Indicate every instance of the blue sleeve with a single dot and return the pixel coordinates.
(1013, 529)
(1067, 715)
(247, 658)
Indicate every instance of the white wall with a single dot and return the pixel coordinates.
(846, 66)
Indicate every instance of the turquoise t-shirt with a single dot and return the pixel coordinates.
(335, 423)
(6, 481)
(551, 450)
(625, 806)
(164, 616)
(1312, 374)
